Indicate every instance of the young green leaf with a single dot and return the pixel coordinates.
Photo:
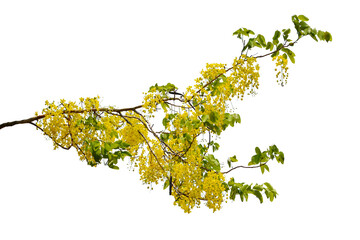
(212, 163)
(303, 18)
(259, 196)
(261, 40)
(166, 184)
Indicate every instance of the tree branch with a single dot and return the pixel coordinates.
(244, 167)
(32, 119)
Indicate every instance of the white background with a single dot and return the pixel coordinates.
(117, 49)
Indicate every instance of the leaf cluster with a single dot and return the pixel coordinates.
(262, 157)
(303, 29)
(112, 151)
(163, 89)
(243, 190)
(275, 45)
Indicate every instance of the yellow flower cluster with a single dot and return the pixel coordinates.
(130, 133)
(245, 76)
(213, 70)
(282, 74)
(151, 162)
(151, 100)
(213, 188)
(62, 123)
(71, 125)
(187, 176)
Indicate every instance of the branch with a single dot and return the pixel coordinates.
(32, 119)
(277, 50)
(29, 120)
(244, 167)
(59, 145)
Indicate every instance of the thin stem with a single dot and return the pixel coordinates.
(244, 167)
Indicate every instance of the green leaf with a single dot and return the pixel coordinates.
(231, 181)
(268, 185)
(280, 158)
(295, 19)
(214, 116)
(286, 33)
(243, 31)
(250, 32)
(255, 160)
(107, 146)
(233, 193)
(251, 43)
(166, 184)
(165, 122)
(114, 167)
(324, 36)
(212, 163)
(187, 137)
(274, 148)
(236, 117)
(269, 195)
(303, 18)
(205, 118)
(114, 134)
(304, 25)
(262, 168)
(231, 160)
(164, 105)
(276, 35)
(290, 54)
(257, 150)
(237, 32)
(215, 147)
(259, 196)
(164, 136)
(269, 46)
(313, 36)
(327, 37)
(120, 144)
(261, 40)
(124, 154)
(196, 123)
(96, 150)
(258, 187)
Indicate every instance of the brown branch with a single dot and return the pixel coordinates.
(56, 143)
(257, 166)
(32, 119)
(277, 50)
(29, 120)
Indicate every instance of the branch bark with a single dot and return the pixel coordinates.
(36, 118)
